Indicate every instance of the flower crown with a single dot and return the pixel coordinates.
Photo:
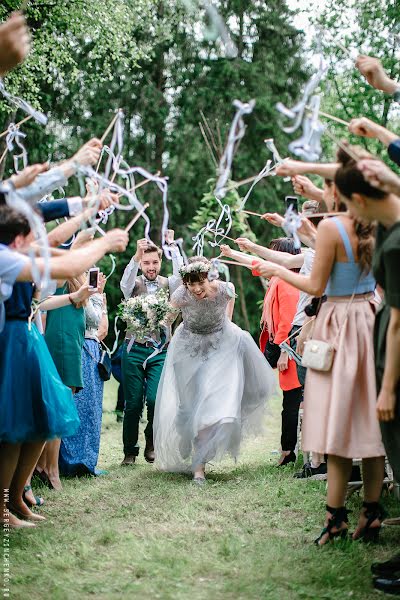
(195, 267)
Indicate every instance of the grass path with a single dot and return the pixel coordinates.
(137, 533)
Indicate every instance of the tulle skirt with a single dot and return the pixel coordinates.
(34, 403)
(213, 391)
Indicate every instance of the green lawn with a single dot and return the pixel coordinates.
(138, 533)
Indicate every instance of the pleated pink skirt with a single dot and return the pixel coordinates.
(340, 405)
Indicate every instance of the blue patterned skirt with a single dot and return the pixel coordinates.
(79, 453)
(34, 403)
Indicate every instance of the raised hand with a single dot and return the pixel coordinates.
(364, 127)
(101, 282)
(117, 240)
(107, 198)
(274, 219)
(14, 42)
(375, 74)
(305, 187)
(244, 244)
(83, 293)
(83, 237)
(28, 175)
(141, 246)
(226, 250)
(265, 268)
(380, 175)
(89, 153)
(289, 168)
(307, 228)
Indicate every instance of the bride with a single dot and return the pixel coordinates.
(215, 382)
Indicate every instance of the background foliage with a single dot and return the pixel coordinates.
(150, 58)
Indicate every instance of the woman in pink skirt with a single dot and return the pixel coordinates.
(340, 404)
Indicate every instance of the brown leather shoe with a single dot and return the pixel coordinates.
(128, 461)
(149, 454)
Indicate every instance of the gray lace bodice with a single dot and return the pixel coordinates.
(203, 316)
(93, 314)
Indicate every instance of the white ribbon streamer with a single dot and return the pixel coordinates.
(236, 132)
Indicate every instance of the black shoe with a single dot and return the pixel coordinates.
(149, 454)
(309, 472)
(389, 586)
(339, 520)
(388, 568)
(373, 511)
(120, 417)
(289, 458)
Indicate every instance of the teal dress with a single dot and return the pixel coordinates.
(34, 403)
(65, 334)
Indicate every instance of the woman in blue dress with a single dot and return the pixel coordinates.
(35, 406)
(79, 453)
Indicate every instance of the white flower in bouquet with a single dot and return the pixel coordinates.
(145, 314)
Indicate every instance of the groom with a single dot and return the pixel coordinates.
(140, 383)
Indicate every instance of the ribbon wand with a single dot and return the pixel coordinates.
(137, 217)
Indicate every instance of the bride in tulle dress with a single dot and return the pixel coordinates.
(215, 383)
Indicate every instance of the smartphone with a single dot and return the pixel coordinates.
(292, 201)
(93, 278)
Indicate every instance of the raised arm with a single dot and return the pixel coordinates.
(316, 282)
(75, 262)
(290, 168)
(132, 268)
(290, 261)
(366, 128)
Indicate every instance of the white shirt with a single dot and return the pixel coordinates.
(304, 298)
(131, 272)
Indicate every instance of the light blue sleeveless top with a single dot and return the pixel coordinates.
(345, 275)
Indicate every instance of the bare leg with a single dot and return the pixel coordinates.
(373, 474)
(42, 462)
(52, 452)
(199, 472)
(339, 470)
(9, 454)
(28, 457)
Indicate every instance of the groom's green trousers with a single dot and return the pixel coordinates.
(140, 386)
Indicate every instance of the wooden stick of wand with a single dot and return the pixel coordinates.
(111, 125)
(139, 185)
(333, 118)
(137, 217)
(105, 134)
(226, 237)
(2, 157)
(17, 125)
(250, 212)
(232, 262)
(345, 148)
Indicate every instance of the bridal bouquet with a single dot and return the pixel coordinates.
(146, 314)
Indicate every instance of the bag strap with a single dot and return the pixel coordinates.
(296, 333)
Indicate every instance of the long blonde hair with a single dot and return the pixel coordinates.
(74, 284)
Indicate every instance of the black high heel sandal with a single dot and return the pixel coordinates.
(373, 512)
(337, 518)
